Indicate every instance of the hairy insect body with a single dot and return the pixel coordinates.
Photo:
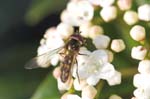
(72, 50)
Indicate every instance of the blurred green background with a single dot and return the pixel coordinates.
(22, 25)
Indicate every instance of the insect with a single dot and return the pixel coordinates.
(69, 53)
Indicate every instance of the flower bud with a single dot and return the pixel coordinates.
(114, 79)
(64, 86)
(144, 12)
(84, 29)
(70, 96)
(104, 3)
(79, 85)
(117, 45)
(94, 31)
(115, 97)
(144, 67)
(101, 41)
(130, 17)
(108, 13)
(64, 30)
(57, 72)
(88, 92)
(138, 52)
(124, 4)
(138, 33)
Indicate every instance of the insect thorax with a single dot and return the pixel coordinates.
(75, 42)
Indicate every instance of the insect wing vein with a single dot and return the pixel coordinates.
(42, 60)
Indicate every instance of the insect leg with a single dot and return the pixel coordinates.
(83, 54)
(77, 71)
(62, 54)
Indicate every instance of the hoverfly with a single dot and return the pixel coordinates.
(69, 53)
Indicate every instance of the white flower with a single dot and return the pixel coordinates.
(138, 33)
(95, 30)
(65, 30)
(86, 10)
(140, 94)
(138, 52)
(77, 13)
(116, 79)
(144, 67)
(88, 92)
(79, 85)
(94, 2)
(115, 97)
(141, 80)
(130, 17)
(85, 28)
(108, 13)
(117, 45)
(101, 41)
(104, 3)
(64, 86)
(57, 72)
(144, 12)
(95, 67)
(70, 96)
(124, 4)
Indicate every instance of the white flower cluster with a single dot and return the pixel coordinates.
(132, 17)
(141, 80)
(140, 52)
(93, 66)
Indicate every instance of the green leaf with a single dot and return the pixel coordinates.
(39, 9)
(47, 90)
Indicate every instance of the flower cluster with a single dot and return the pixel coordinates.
(140, 52)
(94, 64)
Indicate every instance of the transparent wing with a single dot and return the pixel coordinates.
(42, 60)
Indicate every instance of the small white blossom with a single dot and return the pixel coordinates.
(94, 2)
(64, 86)
(42, 41)
(108, 13)
(141, 80)
(140, 94)
(115, 97)
(85, 28)
(64, 30)
(144, 67)
(56, 72)
(94, 31)
(78, 13)
(96, 66)
(117, 45)
(124, 4)
(138, 33)
(144, 12)
(79, 85)
(70, 96)
(86, 10)
(130, 17)
(104, 3)
(116, 79)
(101, 41)
(88, 92)
(138, 52)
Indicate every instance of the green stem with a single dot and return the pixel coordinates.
(128, 72)
(99, 88)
